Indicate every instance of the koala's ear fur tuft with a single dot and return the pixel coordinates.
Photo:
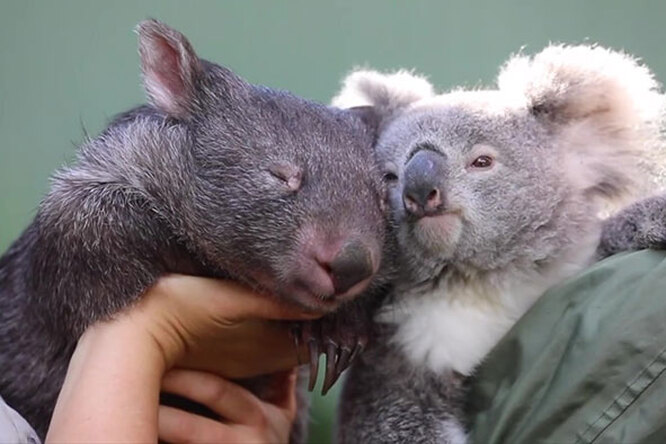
(171, 68)
(368, 115)
(603, 106)
(386, 93)
(574, 82)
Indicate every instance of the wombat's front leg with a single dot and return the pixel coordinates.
(640, 225)
(92, 250)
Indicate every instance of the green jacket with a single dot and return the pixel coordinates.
(585, 365)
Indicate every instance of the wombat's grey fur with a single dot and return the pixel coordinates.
(215, 177)
(497, 195)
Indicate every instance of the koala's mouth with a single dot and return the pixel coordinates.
(438, 233)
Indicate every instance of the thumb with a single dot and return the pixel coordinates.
(232, 300)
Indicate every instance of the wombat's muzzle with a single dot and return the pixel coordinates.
(353, 264)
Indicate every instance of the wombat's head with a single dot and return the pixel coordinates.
(484, 178)
(287, 195)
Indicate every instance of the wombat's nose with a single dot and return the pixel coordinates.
(351, 265)
(424, 184)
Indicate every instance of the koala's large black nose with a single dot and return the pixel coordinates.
(351, 265)
(423, 194)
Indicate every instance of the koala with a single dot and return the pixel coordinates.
(496, 196)
(213, 177)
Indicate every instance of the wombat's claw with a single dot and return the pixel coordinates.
(296, 332)
(360, 345)
(331, 367)
(345, 357)
(343, 361)
(337, 340)
(313, 347)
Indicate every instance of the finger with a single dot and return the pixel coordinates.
(282, 393)
(229, 400)
(290, 404)
(233, 300)
(176, 425)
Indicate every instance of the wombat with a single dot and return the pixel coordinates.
(214, 177)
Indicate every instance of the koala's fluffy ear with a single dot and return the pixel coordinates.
(386, 93)
(171, 69)
(603, 106)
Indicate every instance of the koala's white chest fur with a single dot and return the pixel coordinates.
(454, 326)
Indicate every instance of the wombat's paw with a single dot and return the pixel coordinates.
(340, 337)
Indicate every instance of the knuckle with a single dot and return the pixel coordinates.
(216, 390)
(262, 423)
(165, 284)
(215, 434)
(255, 415)
(211, 432)
(257, 434)
(186, 430)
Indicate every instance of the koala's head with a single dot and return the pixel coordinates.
(287, 195)
(486, 177)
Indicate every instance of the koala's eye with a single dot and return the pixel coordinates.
(289, 174)
(390, 176)
(482, 162)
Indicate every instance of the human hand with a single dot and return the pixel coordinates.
(111, 391)
(215, 326)
(243, 417)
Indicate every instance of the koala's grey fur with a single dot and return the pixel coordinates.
(640, 225)
(216, 177)
(572, 132)
(387, 400)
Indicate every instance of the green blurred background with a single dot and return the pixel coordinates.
(70, 65)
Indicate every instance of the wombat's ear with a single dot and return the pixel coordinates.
(171, 69)
(386, 93)
(603, 106)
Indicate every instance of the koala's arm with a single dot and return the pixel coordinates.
(385, 400)
(640, 225)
